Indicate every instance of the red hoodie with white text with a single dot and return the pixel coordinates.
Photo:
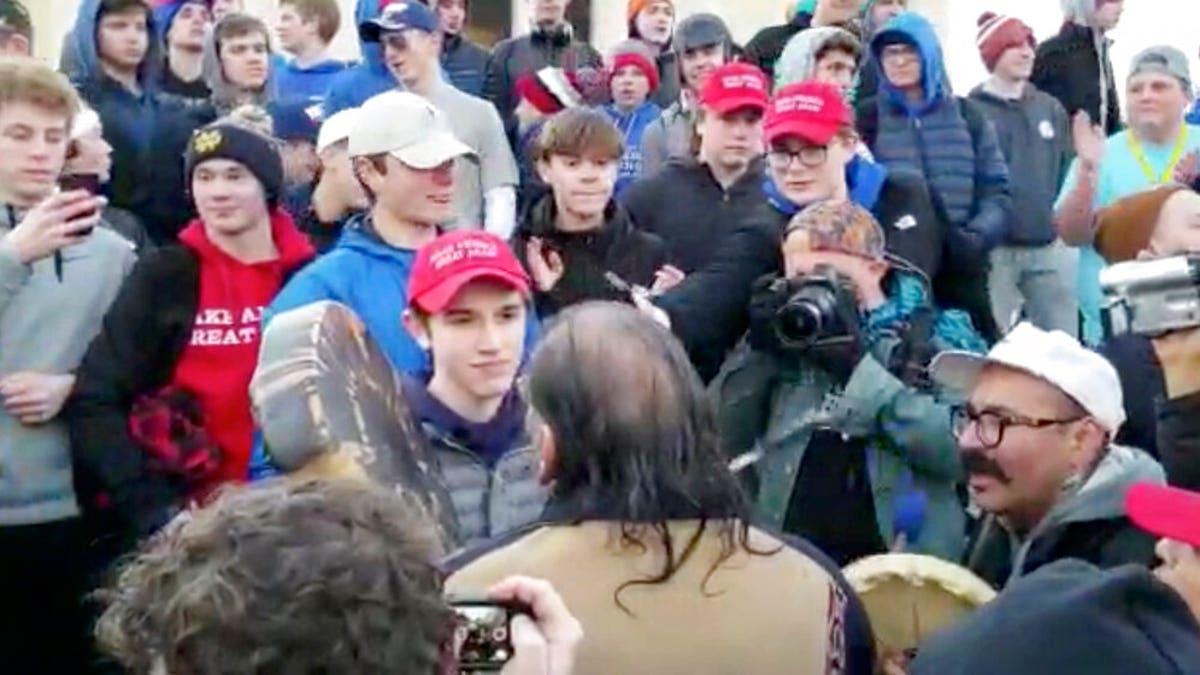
(219, 359)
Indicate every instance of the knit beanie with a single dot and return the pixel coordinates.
(226, 140)
(632, 53)
(635, 7)
(998, 33)
(1124, 229)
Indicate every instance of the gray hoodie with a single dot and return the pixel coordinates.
(1100, 498)
(1034, 133)
(46, 325)
(669, 137)
(798, 62)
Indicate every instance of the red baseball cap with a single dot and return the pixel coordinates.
(811, 110)
(734, 86)
(1165, 512)
(453, 260)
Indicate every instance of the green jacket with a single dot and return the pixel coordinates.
(770, 407)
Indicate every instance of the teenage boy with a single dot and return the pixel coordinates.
(652, 23)
(467, 307)
(577, 243)
(1075, 66)
(485, 183)
(826, 54)
(764, 49)
(723, 184)
(182, 27)
(180, 344)
(632, 80)
(306, 27)
(403, 153)
(355, 85)
(338, 194)
(551, 42)
(117, 78)
(59, 271)
(915, 111)
(1032, 269)
(463, 61)
(703, 43)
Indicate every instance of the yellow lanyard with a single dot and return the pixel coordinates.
(1169, 174)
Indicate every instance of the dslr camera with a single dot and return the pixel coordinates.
(1152, 297)
(813, 313)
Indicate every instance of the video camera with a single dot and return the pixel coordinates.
(811, 313)
(1151, 297)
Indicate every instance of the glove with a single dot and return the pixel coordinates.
(839, 355)
(768, 295)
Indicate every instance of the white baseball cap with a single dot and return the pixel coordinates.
(1054, 357)
(407, 127)
(337, 128)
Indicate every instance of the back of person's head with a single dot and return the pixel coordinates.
(16, 29)
(321, 577)
(628, 417)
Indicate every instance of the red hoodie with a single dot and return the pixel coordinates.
(218, 362)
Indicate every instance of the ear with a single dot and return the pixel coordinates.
(543, 170)
(1087, 441)
(548, 452)
(877, 268)
(417, 329)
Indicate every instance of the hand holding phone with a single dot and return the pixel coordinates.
(59, 221)
(482, 633)
(87, 182)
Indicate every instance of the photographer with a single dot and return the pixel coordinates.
(852, 450)
(1153, 224)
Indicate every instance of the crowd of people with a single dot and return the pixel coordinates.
(686, 326)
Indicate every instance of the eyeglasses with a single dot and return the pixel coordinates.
(810, 156)
(990, 426)
(897, 52)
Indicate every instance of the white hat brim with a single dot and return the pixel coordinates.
(432, 151)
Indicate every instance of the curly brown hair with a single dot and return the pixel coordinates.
(319, 577)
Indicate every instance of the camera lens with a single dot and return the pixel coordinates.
(799, 322)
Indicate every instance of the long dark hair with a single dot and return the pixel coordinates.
(636, 435)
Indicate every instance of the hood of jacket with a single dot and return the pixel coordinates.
(488, 440)
(225, 95)
(83, 43)
(294, 248)
(326, 67)
(864, 179)
(1102, 496)
(798, 61)
(372, 52)
(359, 235)
(916, 30)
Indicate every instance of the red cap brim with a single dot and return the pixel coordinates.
(437, 299)
(728, 105)
(1165, 512)
(819, 133)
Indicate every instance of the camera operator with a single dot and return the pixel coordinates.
(829, 397)
(1157, 376)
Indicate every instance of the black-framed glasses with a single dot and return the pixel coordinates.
(810, 156)
(990, 426)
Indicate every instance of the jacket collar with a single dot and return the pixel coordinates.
(542, 216)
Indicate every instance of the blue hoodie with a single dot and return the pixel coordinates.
(129, 118)
(964, 167)
(353, 86)
(631, 125)
(311, 84)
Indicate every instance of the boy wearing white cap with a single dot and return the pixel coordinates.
(338, 194)
(402, 152)
(1035, 435)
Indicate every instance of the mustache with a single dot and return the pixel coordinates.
(979, 464)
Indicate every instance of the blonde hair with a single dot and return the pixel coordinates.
(26, 80)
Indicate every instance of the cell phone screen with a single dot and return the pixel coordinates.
(89, 182)
(482, 635)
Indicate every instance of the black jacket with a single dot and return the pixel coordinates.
(617, 247)
(143, 336)
(1179, 440)
(1142, 385)
(708, 310)
(528, 54)
(171, 207)
(1068, 68)
(692, 227)
(765, 48)
(669, 79)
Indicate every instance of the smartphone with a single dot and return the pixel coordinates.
(482, 634)
(88, 182)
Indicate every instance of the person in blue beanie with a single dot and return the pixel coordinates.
(296, 130)
(353, 86)
(181, 29)
(305, 28)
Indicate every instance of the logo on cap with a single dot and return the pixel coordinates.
(799, 103)
(207, 141)
(745, 81)
(464, 249)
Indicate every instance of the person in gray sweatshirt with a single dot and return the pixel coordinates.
(59, 271)
(1033, 272)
